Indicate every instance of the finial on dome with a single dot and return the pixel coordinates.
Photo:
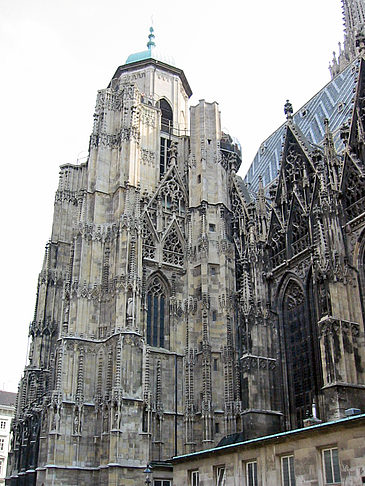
(151, 42)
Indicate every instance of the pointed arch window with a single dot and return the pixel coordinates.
(157, 314)
(300, 356)
(166, 116)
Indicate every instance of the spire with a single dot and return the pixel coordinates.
(151, 37)
(354, 17)
(354, 22)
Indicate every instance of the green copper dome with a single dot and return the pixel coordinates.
(151, 53)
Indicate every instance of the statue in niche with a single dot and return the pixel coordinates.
(76, 424)
(55, 419)
(116, 419)
(105, 422)
(130, 308)
(324, 299)
(130, 312)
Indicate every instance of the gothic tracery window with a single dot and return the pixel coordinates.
(172, 197)
(299, 231)
(157, 315)
(172, 250)
(300, 359)
(149, 247)
(354, 195)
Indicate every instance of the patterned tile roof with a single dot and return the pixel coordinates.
(7, 398)
(334, 102)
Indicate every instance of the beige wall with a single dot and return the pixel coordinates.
(306, 446)
(6, 414)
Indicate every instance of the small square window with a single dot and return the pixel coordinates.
(212, 228)
(162, 482)
(331, 466)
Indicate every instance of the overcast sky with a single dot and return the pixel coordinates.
(55, 54)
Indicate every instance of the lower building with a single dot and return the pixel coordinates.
(321, 454)
(7, 408)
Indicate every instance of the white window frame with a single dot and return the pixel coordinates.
(333, 479)
(2, 463)
(2, 444)
(3, 424)
(220, 476)
(251, 481)
(290, 459)
(162, 481)
(194, 478)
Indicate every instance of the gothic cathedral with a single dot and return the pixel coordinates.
(175, 307)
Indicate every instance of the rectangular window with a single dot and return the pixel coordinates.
(217, 427)
(287, 471)
(212, 227)
(2, 444)
(251, 473)
(2, 424)
(220, 476)
(165, 145)
(162, 482)
(194, 478)
(214, 315)
(331, 466)
(215, 364)
(1, 466)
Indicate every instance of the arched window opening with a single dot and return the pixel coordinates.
(157, 315)
(166, 116)
(300, 359)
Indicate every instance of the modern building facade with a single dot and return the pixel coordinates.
(173, 308)
(7, 408)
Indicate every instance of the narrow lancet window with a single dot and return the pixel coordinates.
(156, 313)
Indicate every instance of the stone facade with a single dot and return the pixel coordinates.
(308, 451)
(134, 320)
(173, 307)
